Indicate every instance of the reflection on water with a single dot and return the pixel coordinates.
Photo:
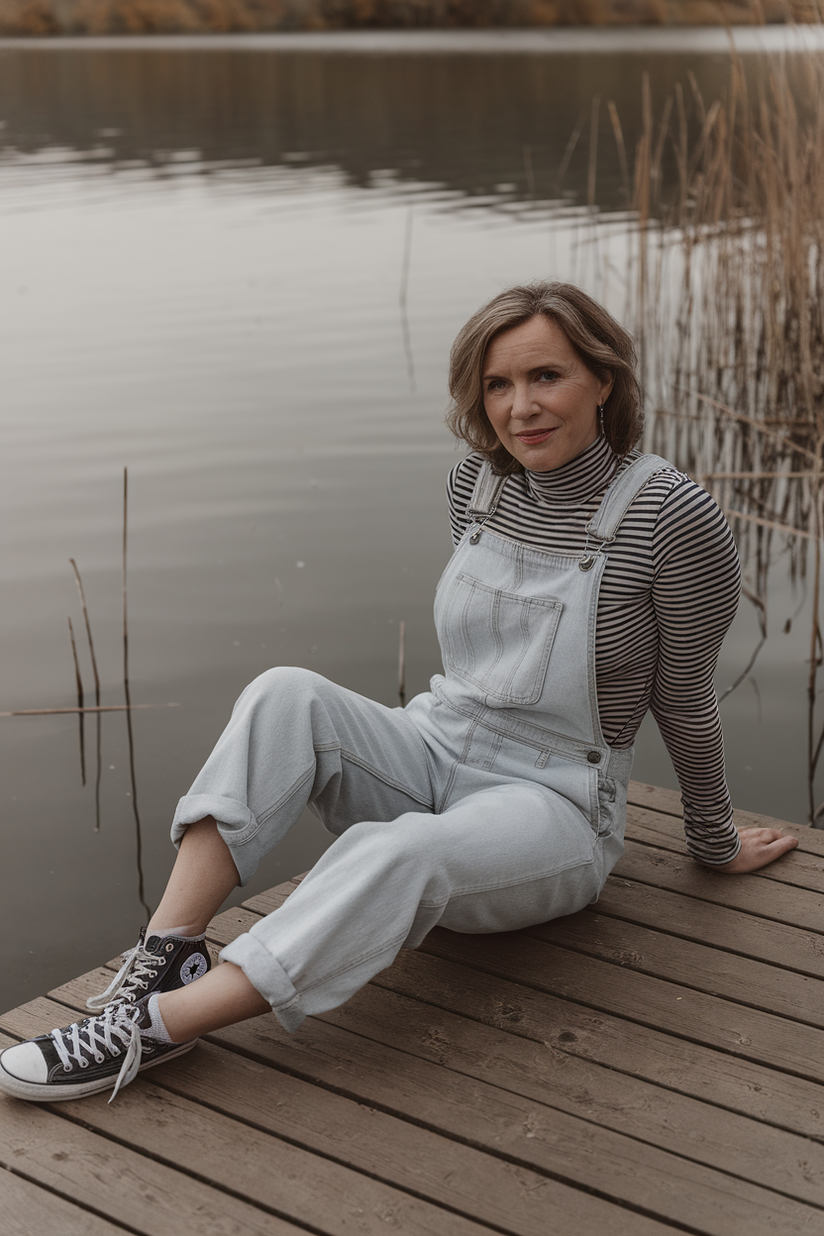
(239, 276)
(459, 122)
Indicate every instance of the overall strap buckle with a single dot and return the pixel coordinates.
(485, 497)
(621, 492)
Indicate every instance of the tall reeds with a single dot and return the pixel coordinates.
(728, 305)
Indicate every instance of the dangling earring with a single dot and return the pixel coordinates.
(601, 418)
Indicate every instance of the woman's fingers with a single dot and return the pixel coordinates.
(759, 846)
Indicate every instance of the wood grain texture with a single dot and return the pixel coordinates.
(801, 867)
(626, 1047)
(668, 802)
(662, 1003)
(665, 866)
(117, 1182)
(26, 1209)
(651, 1065)
(272, 1173)
(530, 1133)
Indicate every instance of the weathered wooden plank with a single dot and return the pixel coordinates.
(539, 1071)
(431, 1166)
(631, 1029)
(767, 1095)
(661, 1003)
(635, 1174)
(744, 1031)
(667, 869)
(800, 868)
(624, 1046)
(668, 802)
(469, 1181)
(567, 1201)
(151, 1117)
(232, 921)
(28, 1210)
(272, 899)
(798, 997)
(129, 1188)
(744, 1086)
(465, 1179)
(714, 925)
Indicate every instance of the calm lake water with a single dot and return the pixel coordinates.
(236, 267)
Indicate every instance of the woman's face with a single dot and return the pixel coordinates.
(540, 398)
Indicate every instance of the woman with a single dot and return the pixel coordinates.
(588, 583)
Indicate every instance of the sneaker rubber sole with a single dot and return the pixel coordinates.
(55, 1092)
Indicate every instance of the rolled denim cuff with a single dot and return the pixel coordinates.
(268, 976)
(235, 823)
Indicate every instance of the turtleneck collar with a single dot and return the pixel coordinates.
(578, 480)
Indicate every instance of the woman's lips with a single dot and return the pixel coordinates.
(531, 436)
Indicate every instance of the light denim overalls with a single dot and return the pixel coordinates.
(488, 804)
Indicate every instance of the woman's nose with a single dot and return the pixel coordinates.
(523, 405)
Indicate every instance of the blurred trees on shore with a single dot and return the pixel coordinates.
(60, 17)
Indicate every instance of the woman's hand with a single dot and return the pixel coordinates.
(759, 846)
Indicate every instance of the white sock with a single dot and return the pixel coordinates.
(179, 932)
(158, 1030)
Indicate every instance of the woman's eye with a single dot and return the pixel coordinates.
(495, 384)
(548, 375)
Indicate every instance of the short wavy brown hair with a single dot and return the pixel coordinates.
(604, 346)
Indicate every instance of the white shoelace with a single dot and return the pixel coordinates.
(138, 966)
(116, 1022)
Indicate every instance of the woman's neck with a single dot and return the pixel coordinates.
(577, 480)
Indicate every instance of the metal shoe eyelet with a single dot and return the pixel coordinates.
(84, 1064)
(161, 961)
(170, 948)
(67, 1068)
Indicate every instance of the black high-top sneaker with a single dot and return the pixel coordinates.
(161, 963)
(99, 1053)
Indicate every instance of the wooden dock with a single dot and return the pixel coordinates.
(653, 1064)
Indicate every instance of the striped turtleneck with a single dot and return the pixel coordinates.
(668, 595)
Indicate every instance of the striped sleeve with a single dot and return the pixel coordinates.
(695, 591)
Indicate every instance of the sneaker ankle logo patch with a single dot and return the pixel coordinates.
(193, 967)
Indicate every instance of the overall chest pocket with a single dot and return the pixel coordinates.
(499, 641)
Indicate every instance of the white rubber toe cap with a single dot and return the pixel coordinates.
(25, 1063)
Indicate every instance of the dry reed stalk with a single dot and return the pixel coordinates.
(80, 703)
(620, 145)
(98, 731)
(79, 583)
(729, 311)
(141, 893)
(125, 585)
(593, 151)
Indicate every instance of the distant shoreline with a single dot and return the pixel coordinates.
(501, 41)
(394, 18)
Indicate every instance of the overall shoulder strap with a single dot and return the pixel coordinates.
(621, 492)
(486, 493)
